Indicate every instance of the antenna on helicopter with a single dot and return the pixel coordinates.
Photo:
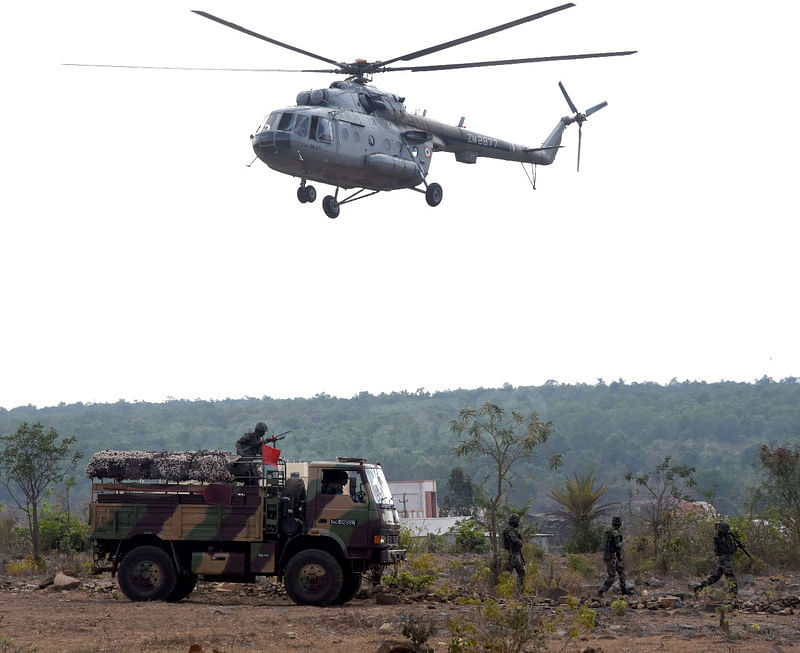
(579, 117)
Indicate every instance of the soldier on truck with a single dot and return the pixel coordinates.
(158, 534)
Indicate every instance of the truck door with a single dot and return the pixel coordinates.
(340, 507)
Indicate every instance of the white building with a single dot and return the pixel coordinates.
(415, 498)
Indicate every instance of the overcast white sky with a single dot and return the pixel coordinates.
(141, 259)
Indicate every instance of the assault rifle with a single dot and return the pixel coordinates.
(275, 438)
(739, 545)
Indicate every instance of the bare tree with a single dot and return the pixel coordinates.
(487, 432)
(663, 490)
(780, 486)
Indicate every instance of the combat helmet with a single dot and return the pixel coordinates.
(616, 522)
(723, 527)
(261, 427)
(513, 520)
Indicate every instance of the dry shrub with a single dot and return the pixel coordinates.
(28, 566)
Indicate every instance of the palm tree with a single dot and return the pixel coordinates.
(580, 501)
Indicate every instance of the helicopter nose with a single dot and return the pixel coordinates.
(268, 144)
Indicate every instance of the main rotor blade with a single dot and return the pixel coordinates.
(235, 70)
(244, 30)
(478, 35)
(506, 62)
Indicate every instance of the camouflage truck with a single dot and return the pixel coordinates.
(159, 537)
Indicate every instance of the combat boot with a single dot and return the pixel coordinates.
(696, 587)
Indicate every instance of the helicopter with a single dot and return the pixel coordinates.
(353, 136)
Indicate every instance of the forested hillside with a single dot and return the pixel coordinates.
(605, 428)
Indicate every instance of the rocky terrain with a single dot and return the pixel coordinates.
(72, 615)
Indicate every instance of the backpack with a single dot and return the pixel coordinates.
(725, 544)
(608, 545)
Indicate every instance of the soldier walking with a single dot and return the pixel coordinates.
(612, 556)
(512, 543)
(725, 545)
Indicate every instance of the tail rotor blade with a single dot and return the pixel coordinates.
(579, 117)
(596, 107)
(572, 107)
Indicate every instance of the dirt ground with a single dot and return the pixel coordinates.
(229, 618)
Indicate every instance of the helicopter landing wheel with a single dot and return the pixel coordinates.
(330, 206)
(433, 194)
(306, 194)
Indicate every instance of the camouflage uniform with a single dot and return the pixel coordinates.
(612, 556)
(512, 543)
(724, 548)
(250, 443)
(249, 446)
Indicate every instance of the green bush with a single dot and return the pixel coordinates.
(766, 542)
(506, 585)
(7, 527)
(686, 547)
(56, 533)
(418, 630)
(513, 627)
(584, 539)
(407, 540)
(406, 579)
(532, 551)
(423, 563)
(25, 566)
(581, 565)
(470, 537)
(438, 544)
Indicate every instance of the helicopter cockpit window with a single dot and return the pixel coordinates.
(286, 122)
(301, 126)
(324, 131)
(269, 122)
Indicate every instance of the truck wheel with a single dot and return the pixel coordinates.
(147, 574)
(350, 587)
(183, 587)
(313, 577)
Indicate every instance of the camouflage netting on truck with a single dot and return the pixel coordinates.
(204, 466)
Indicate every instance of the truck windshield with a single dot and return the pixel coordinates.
(380, 488)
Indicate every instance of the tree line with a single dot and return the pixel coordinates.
(608, 429)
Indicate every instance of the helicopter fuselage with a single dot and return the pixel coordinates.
(353, 136)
